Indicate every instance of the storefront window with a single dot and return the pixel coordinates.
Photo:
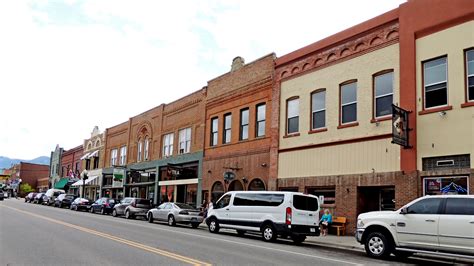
(256, 185)
(446, 186)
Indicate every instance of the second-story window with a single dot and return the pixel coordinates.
(244, 124)
(96, 162)
(435, 82)
(88, 164)
(145, 153)
(123, 155)
(261, 117)
(318, 109)
(227, 128)
(383, 92)
(214, 130)
(470, 75)
(113, 157)
(185, 140)
(168, 144)
(348, 103)
(139, 150)
(292, 115)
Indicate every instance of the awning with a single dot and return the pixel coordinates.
(85, 156)
(93, 154)
(80, 182)
(61, 183)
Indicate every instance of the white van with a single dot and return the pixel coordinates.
(51, 194)
(272, 213)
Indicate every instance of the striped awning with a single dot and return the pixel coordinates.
(89, 181)
(85, 156)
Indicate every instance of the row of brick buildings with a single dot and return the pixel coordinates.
(318, 120)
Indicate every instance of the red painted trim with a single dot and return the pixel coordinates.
(291, 135)
(339, 142)
(468, 104)
(319, 130)
(353, 124)
(435, 110)
(380, 119)
(444, 25)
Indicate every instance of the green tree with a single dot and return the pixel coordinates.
(26, 188)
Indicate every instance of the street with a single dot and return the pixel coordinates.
(32, 234)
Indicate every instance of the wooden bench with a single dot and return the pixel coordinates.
(339, 223)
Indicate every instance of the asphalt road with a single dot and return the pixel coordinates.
(32, 234)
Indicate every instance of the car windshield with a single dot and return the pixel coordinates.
(185, 206)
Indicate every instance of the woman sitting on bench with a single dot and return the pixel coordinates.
(325, 221)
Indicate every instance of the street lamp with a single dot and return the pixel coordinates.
(84, 178)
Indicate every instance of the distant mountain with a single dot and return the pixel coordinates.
(6, 162)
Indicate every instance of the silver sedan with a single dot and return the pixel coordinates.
(176, 213)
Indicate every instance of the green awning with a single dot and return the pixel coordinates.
(61, 183)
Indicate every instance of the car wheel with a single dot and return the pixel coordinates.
(127, 214)
(91, 210)
(241, 232)
(268, 233)
(150, 217)
(214, 225)
(114, 213)
(171, 221)
(298, 239)
(102, 211)
(377, 245)
(194, 225)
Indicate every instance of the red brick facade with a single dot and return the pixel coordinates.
(244, 88)
(29, 173)
(71, 162)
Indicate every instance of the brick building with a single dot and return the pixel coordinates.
(115, 160)
(55, 165)
(28, 173)
(332, 114)
(70, 168)
(237, 139)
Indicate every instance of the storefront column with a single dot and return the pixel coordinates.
(157, 194)
(199, 188)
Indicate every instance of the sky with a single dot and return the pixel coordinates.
(67, 66)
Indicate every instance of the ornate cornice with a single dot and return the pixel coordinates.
(357, 45)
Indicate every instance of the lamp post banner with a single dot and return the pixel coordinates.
(400, 126)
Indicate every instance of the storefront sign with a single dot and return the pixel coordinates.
(229, 176)
(117, 180)
(457, 185)
(400, 126)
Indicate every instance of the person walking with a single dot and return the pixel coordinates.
(325, 221)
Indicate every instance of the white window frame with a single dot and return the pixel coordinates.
(381, 96)
(123, 155)
(318, 110)
(214, 131)
(258, 122)
(113, 157)
(227, 129)
(185, 140)
(467, 75)
(288, 117)
(244, 127)
(432, 84)
(349, 103)
(168, 141)
(146, 149)
(139, 150)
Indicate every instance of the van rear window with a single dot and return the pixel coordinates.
(305, 203)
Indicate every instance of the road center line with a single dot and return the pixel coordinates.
(117, 239)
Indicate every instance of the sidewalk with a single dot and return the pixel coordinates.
(333, 241)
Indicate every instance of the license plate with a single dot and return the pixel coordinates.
(312, 230)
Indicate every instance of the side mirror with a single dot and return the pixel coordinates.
(404, 211)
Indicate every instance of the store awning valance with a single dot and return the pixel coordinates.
(80, 182)
(61, 183)
(85, 156)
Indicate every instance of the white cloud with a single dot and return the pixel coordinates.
(68, 66)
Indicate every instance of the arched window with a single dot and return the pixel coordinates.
(145, 154)
(97, 143)
(256, 185)
(89, 146)
(236, 185)
(139, 150)
(217, 191)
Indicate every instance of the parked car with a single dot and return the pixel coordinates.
(30, 197)
(176, 213)
(51, 194)
(81, 204)
(1, 194)
(38, 199)
(272, 213)
(132, 207)
(437, 225)
(103, 205)
(64, 200)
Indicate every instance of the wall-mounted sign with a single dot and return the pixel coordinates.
(118, 174)
(229, 176)
(400, 126)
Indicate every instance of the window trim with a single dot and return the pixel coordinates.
(124, 156)
(139, 150)
(439, 108)
(293, 134)
(257, 121)
(186, 147)
(466, 103)
(242, 125)
(171, 145)
(146, 149)
(311, 126)
(224, 130)
(212, 132)
(352, 123)
(376, 118)
(112, 157)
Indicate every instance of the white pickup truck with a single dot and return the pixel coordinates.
(438, 225)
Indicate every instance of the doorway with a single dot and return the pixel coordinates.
(375, 199)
